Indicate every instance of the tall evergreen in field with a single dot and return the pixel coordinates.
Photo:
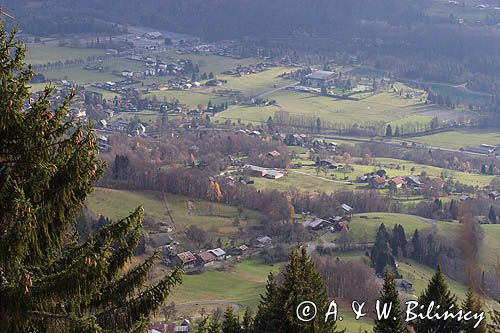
(49, 281)
(492, 215)
(301, 282)
(231, 322)
(472, 303)
(437, 291)
(389, 295)
(380, 253)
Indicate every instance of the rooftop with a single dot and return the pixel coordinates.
(321, 75)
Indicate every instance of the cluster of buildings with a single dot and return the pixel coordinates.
(379, 180)
(189, 260)
(336, 223)
(250, 69)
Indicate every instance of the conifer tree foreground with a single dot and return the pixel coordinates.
(49, 281)
(438, 292)
(301, 282)
(472, 303)
(389, 295)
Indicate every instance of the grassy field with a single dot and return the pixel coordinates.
(366, 225)
(211, 63)
(243, 285)
(212, 217)
(385, 107)
(52, 52)
(80, 75)
(249, 85)
(461, 138)
(307, 179)
(490, 249)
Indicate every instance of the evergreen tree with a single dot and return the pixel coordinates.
(484, 169)
(492, 215)
(397, 133)
(417, 246)
(270, 124)
(437, 291)
(380, 253)
(268, 312)
(230, 323)
(49, 280)
(247, 322)
(389, 295)
(301, 282)
(388, 131)
(472, 304)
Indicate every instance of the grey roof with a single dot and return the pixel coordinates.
(347, 208)
(316, 222)
(218, 252)
(255, 168)
(264, 239)
(320, 75)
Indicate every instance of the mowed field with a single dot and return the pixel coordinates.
(212, 217)
(365, 226)
(239, 288)
(461, 138)
(385, 107)
(308, 179)
(51, 52)
(248, 85)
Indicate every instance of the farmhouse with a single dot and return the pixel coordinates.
(218, 253)
(264, 241)
(320, 79)
(495, 195)
(316, 224)
(187, 259)
(377, 182)
(257, 171)
(396, 182)
(206, 258)
(328, 163)
(347, 209)
(413, 181)
(273, 174)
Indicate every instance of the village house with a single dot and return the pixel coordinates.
(187, 259)
(377, 182)
(348, 210)
(495, 195)
(206, 258)
(316, 224)
(264, 241)
(396, 183)
(218, 253)
(320, 79)
(412, 181)
(329, 163)
(257, 171)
